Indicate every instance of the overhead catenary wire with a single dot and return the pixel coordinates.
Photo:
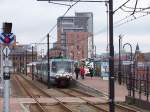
(135, 18)
(70, 6)
(130, 17)
(135, 7)
(121, 6)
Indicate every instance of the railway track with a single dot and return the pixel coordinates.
(73, 93)
(30, 94)
(35, 96)
(102, 107)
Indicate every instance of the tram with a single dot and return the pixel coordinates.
(61, 71)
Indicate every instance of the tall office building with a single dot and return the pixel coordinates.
(75, 35)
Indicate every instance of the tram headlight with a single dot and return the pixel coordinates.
(68, 76)
(57, 76)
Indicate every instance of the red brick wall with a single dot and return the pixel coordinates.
(77, 45)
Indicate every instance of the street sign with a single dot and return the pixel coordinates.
(6, 51)
(7, 39)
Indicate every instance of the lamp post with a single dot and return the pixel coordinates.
(48, 70)
(32, 65)
(130, 76)
(95, 50)
(26, 62)
(119, 65)
(130, 49)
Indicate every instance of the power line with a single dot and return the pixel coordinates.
(121, 6)
(135, 18)
(70, 6)
(59, 3)
(135, 7)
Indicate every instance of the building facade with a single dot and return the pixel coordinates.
(20, 56)
(75, 35)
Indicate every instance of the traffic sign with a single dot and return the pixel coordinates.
(6, 51)
(7, 39)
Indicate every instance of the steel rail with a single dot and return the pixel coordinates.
(36, 87)
(81, 92)
(101, 109)
(117, 105)
(61, 104)
(128, 109)
(31, 95)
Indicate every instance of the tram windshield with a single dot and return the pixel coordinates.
(61, 66)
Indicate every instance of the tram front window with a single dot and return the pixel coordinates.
(61, 67)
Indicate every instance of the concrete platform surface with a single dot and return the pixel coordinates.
(102, 86)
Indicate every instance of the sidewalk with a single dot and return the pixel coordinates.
(102, 86)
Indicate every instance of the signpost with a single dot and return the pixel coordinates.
(7, 39)
(6, 51)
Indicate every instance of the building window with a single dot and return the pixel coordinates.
(77, 47)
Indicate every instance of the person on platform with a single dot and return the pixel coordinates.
(77, 70)
(82, 72)
(91, 72)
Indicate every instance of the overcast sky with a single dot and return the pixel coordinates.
(32, 20)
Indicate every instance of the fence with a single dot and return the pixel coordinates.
(137, 80)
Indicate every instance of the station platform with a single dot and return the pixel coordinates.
(102, 86)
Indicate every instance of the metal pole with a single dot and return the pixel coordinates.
(23, 63)
(131, 78)
(1, 81)
(32, 65)
(111, 60)
(26, 62)
(6, 76)
(119, 67)
(1, 64)
(48, 69)
(6, 95)
(95, 51)
(20, 64)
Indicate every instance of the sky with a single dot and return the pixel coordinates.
(32, 20)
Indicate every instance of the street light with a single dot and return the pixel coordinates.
(130, 49)
(119, 65)
(130, 76)
(95, 50)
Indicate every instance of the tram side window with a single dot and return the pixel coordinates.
(54, 69)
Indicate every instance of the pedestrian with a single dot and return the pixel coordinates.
(91, 72)
(82, 72)
(77, 70)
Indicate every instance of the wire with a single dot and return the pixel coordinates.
(135, 7)
(70, 6)
(58, 3)
(131, 20)
(121, 6)
(134, 11)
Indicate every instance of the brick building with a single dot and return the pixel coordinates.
(75, 36)
(21, 55)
